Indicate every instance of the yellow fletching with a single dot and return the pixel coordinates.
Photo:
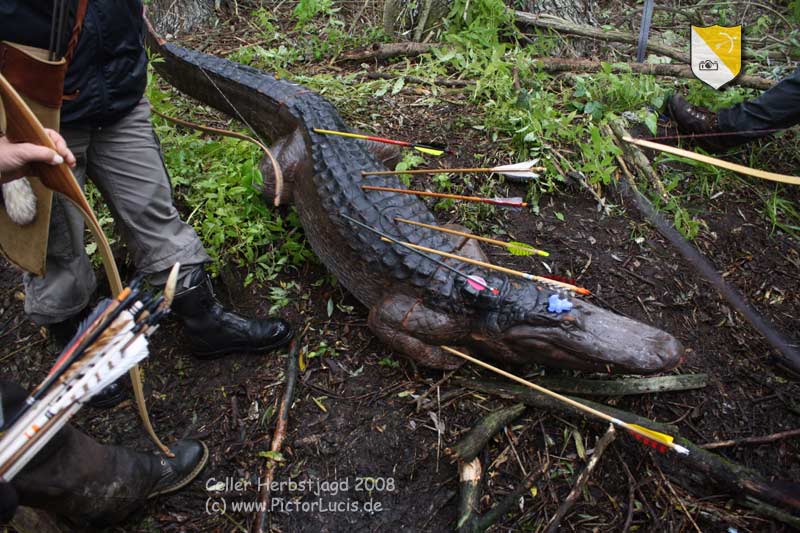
(429, 151)
(655, 435)
(522, 249)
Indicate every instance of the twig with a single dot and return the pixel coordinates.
(499, 510)
(751, 440)
(444, 82)
(280, 431)
(434, 387)
(583, 478)
(470, 446)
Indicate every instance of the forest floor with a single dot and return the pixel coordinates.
(356, 434)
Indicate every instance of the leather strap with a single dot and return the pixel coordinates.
(80, 14)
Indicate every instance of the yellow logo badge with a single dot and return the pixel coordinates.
(716, 54)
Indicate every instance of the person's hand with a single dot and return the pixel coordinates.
(14, 157)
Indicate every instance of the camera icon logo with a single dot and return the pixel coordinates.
(708, 65)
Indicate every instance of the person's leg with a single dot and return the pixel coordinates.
(778, 107)
(76, 477)
(69, 282)
(126, 164)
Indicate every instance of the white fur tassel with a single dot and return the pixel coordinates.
(20, 201)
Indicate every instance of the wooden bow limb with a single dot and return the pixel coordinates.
(236, 135)
(23, 126)
(741, 169)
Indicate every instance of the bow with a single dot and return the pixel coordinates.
(741, 169)
(23, 126)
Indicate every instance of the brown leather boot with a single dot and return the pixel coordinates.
(692, 120)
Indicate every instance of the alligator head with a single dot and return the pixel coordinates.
(528, 328)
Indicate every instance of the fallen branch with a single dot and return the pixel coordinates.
(583, 478)
(559, 64)
(388, 50)
(469, 475)
(558, 24)
(550, 22)
(634, 155)
(737, 479)
(624, 387)
(789, 356)
(751, 440)
(280, 432)
(473, 442)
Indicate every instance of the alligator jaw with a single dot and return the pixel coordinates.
(591, 338)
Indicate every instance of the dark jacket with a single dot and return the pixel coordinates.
(109, 69)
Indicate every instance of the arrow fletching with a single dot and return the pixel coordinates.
(428, 150)
(524, 250)
(520, 171)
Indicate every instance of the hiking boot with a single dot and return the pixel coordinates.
(214, 331)
(692, 120)
(92, 484)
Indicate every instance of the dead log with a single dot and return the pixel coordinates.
(474, 441)
(624, 387)
(387, 51)
(701, 464)
(559, 64)
(583, 478)
(558, 24)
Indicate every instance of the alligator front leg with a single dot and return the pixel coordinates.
(409, 327)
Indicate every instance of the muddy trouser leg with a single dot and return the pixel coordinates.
(76, 477)
(778, 107)
(124, 161)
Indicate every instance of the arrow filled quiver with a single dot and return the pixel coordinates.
(31, 88)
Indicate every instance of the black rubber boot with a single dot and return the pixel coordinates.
(214, 331)
(693, 120)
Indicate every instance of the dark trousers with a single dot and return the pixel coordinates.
(778, 107)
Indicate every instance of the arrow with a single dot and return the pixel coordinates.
(525, 170)
(741, 169)
(659, 441)
(490, 266)
(475, 281)
(507, 202)
(426, 148)
(516, 248)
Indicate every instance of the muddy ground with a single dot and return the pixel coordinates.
(366, 459)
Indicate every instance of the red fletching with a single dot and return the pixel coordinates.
(657, 446)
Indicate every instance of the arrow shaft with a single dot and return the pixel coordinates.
(498, 268)
(444, 195)
(556, 396)
(459, 233)
(460, 170)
